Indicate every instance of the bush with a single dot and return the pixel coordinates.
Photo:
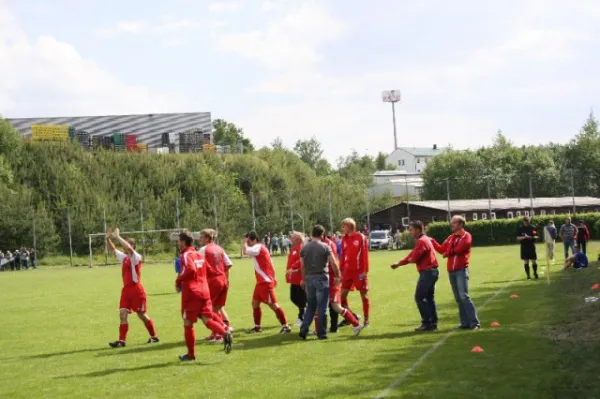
(503, 231)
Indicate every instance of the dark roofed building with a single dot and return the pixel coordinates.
(397, 216)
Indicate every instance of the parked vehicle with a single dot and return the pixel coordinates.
(380, 239)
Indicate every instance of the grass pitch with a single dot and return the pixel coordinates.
(55, 325)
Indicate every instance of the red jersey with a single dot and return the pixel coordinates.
(457, 249)
(423, 255)
(334, 253)
(355, 253)
(263, 267)
(131, 268)
(217, 261)
(192, 277)
(293, 263)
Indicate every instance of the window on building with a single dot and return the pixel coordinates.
(543, 212)
(484, 216)
(518, 214)
(526, 213)
(532, 213)
(418, 160)
(474, 216)
(493, 215)
(405, 222)
(510, 215)
(401, 162)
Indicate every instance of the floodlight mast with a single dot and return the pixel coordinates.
(392, 96)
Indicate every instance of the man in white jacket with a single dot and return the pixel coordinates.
(550, 234)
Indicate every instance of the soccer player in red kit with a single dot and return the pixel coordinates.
(264, 292)
(355, 265)
(195, 297)
(133, 295)
(217, 273)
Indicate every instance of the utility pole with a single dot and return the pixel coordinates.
(489, 192)
(407, 198)
(448, 196)
(70, 238)
(216, 217)
(177, 210)
(573, 192)
(253, 211)
(530, 197)
(105, 243)
(291, 211)
(330, 212)
(368, 215)
(392, 96)
(34, 234)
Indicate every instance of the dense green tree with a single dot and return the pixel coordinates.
(309, 151)
(226, 133)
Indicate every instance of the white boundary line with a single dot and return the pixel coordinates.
(435, 347)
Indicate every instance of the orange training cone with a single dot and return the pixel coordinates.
(514, 296)
(477, 349)
(495, 324)
(595, 286)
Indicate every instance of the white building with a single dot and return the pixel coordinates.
(399, 183)
(411, 159)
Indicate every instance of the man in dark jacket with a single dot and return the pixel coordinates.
(457, 249)
(583, 236)
(527, 235)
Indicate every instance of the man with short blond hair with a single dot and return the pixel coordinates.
(457, 249)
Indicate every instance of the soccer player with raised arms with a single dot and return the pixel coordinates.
(133, 295)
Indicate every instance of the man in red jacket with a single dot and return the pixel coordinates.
(354, 264)
(457, 249)
(424, 256)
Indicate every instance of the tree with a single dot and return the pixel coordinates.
(226, 133)
(277, 144)
(309, 151)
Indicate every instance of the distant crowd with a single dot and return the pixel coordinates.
(281, 244)
(19, 259)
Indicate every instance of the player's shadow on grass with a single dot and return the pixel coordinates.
(65, 353)
(104, 373)
(164, 294)
(141, 349)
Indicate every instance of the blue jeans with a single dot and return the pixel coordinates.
(459, 280)
(317, 300)
(568, 244)
(425, 296)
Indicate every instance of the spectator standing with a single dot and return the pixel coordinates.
(10, 260)
(275, 243)
(17, 256)
(583, 236)
(267, 241)
(293, 277)
(457, 249)
(527, 235)
(567, 234)
(550, 234)
(315, 258)
(282, 244)
(1, 261)
(32, 257)
(423, 255)
(25, 258)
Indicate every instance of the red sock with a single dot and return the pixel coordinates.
(345, 303)
(281, 316)
(216, 327)
(349, 317)
(150, 327)
(257, 316)
(366, 307)
(217, 317)
(190, 340)
(123, 328)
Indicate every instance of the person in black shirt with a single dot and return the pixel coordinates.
(527, 235)
(583, 236)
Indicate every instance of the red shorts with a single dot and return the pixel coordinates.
(264, 293)
(351, 280)
(219, 287)
(195, 308)
(133, 298)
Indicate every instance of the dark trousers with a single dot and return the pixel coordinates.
(425, 296)
(298, 297)
(582, 246)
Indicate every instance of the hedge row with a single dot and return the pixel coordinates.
(503, 231)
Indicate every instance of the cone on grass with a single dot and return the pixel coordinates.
(495, 324)
(514, 296)
(477, 349)
(595, 286)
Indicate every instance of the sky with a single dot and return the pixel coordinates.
(300, 68)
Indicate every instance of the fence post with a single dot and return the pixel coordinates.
(90, 247)
(70, 238)
(34, 233)
(105, 243)
(448, 196)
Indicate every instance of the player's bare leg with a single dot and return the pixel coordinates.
(366, 306)
(348, 316)
(216, 326)
(285, 328)
(123, 328)
(149, 326)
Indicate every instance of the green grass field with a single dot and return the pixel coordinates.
(55, 325)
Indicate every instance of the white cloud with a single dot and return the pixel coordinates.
(223, 6)
(176, 26)
(49, 77)
(122, 27)
(170, 27)
(289, 43)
